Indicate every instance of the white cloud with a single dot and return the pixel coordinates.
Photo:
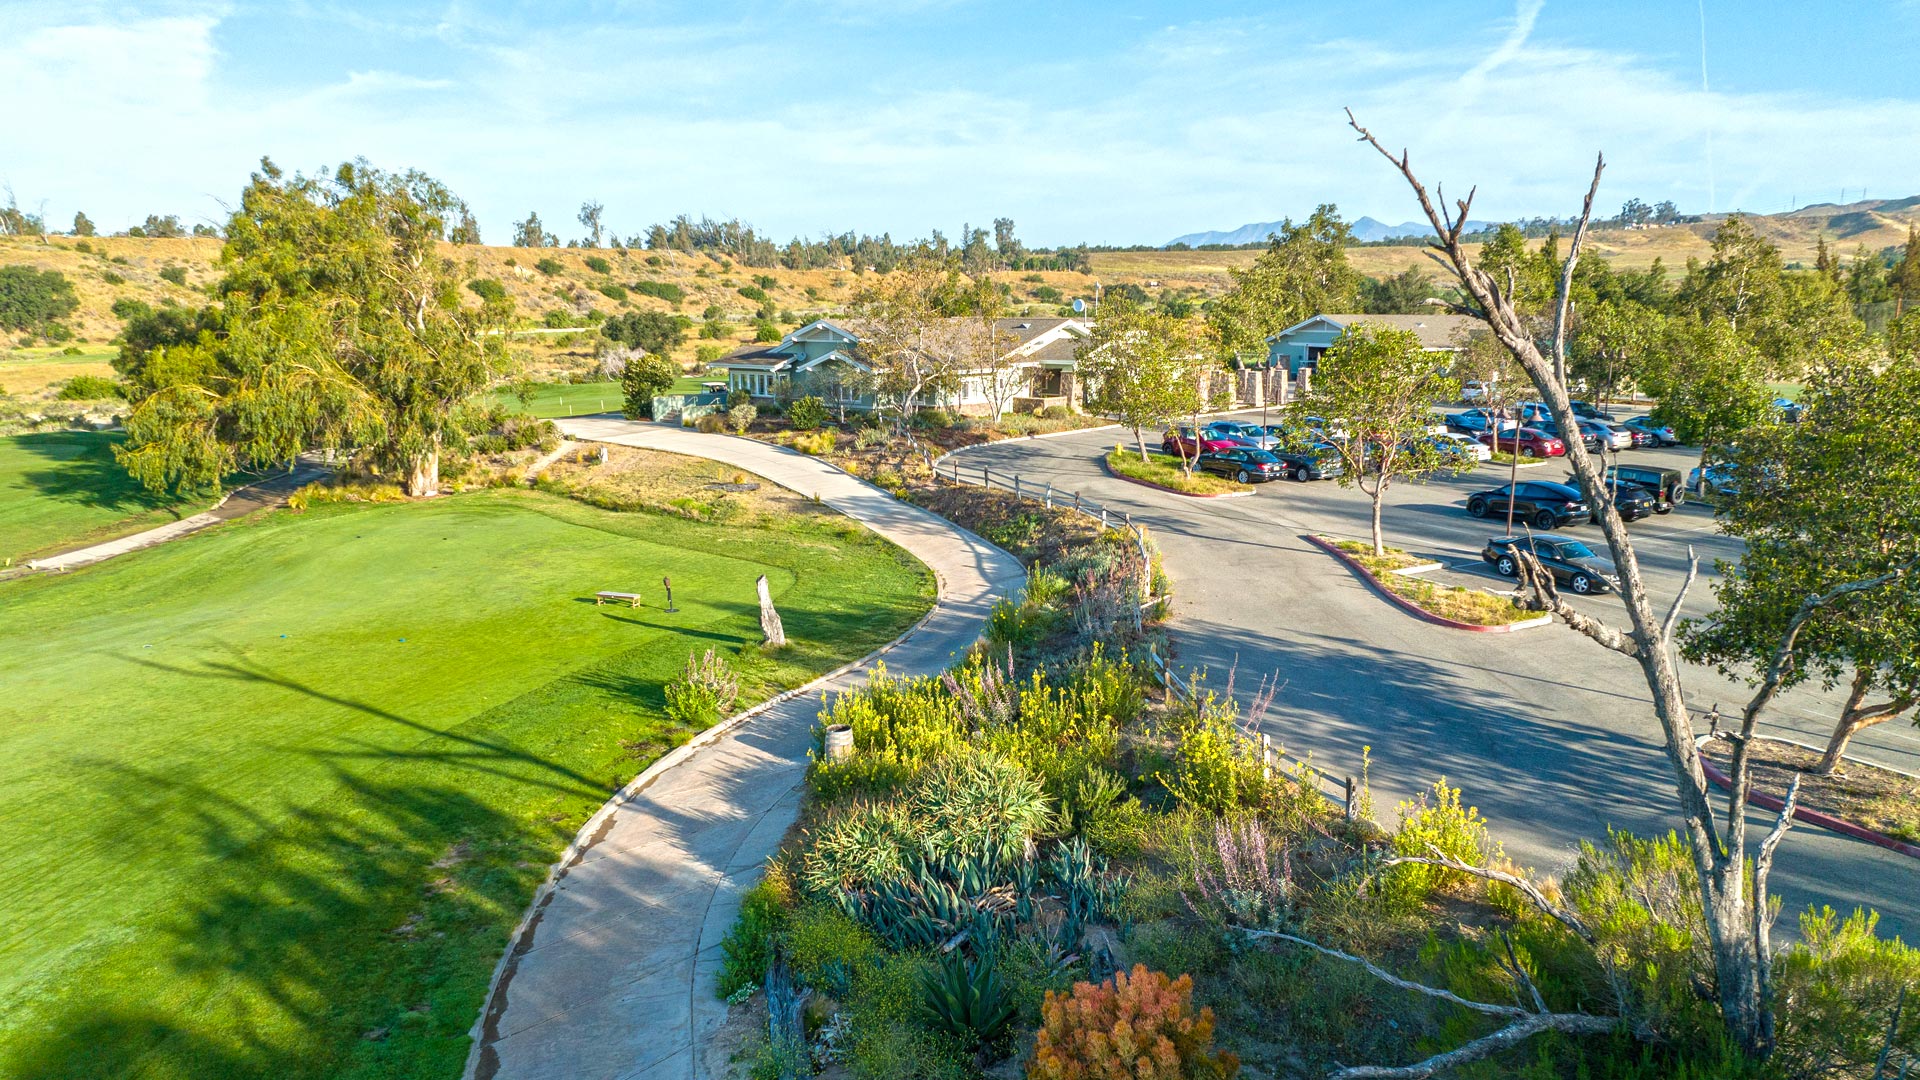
(1209, 124)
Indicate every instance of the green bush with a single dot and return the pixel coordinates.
(887, 1042)
(1442, 823)
(932, 419)
(112, 278)
(663, 290)
(765, 281)
(752, 292)
(742, 418)
(174, 274)
(1842, 984)
(766, 330)
(90, 388)
(816, 443)
(705, 692)
(598, 265)
(549, 266)
(487, 289)
(748, 946)
(807, 413)
(711, 424)
(656, 261)
(828, 947)
(126, 307)
(611, 291)
(967, 1000)
(715, 329)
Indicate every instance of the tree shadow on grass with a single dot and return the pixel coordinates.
(353, 938)
(86, 473)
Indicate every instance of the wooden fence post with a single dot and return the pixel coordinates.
(1351, 808)
(1016, 485)
(1049, 494)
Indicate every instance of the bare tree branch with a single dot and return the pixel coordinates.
(1565, 292)
(1529, 889)
(1519, 973)
(1673, 613)
(1543, 595)
(1484, 1047)
(1390, 978)
(1762, 866)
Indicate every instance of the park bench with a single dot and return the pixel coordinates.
(631, 599)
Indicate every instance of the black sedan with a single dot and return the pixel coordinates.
(1245, 464)
(1318, 462)
(1543, 505)
(1633, 501)
(1571, 562)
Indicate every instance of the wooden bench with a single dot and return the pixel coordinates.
(631, 599)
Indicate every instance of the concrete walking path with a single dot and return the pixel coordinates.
(240, 502)
(611, 976)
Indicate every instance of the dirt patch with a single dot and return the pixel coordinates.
(658, 482)
(1861, 794)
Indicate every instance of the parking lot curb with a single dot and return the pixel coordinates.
(1800, 813)
(1414, 609)
(1117, 475)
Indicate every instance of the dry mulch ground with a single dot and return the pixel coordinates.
(1860, 794)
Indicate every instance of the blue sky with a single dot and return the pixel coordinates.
(1121, 121)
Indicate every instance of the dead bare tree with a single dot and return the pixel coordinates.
(1737, 923)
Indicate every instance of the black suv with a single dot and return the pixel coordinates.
(1633, 501)
(1247, 465)
(1571, 562)
(1541, 504)
(1667, 486)
(1318, 462)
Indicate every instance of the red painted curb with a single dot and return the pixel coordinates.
(1160, 487)
(1405, 604)
(1811, 817)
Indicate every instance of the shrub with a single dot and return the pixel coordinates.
(1844, 984)
(748, 946)
(549, 266)
(887, 1043)
(1458, 832)
(752, 292)
(967, 1000)
(652, 331)
(126, 307)
(932, 419)
(611, 291)
(656, 261)
(598, 265)
(766, 330)
(817, 443)
(868, 438)
(742, 418)
(828, 947)
(112, 278)
(704, 693)
(663, 290)
(1138, 1026)
(1242, 880)
(711, 424)
(89, 388)
(175, 274)
(353, 492)
(487, 289)
(807, 413)
(707, 354)
(34, 301)
(715, 329)
(765, 281)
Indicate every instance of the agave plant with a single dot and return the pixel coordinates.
(966, 999)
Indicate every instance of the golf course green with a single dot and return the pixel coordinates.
(275, 794)
(62, 489)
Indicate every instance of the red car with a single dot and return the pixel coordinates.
(1531, 442)
(1180, 441)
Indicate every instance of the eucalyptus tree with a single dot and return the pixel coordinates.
(338, 324)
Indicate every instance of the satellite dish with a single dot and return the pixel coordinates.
(1079, 306)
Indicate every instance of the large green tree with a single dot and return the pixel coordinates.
(35, 301)
(1379, 384)
(1832, 501)
(1142, 367)
(338, 325)
(1303, 272)
(653, 331)
(1708, 381)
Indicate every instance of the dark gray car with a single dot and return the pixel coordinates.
(1571, 562)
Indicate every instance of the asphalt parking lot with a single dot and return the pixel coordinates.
(1550, 735)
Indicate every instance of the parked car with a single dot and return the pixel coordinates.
(1320, 461)
(1540, 503)
(1659, 434)
(1531, 442)
(1630, 499)
(1609, 436)
(1714, 480)
(1790, 410)
(1548, 427)
(1455, 443)
(1246, 434)
(1532, 412)
(1326, 429)
(1571, 562)
(1472, 421)
(1181, 441)
(1586, 411)
(1246, 464)
(1667, 486)
(1437, 423)
(1474, 390)
(1640, 438)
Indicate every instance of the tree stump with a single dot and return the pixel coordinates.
(769, 618)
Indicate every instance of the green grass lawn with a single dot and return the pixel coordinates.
(62, 489)
(551, 401)
(1166, 471)
(276, 793)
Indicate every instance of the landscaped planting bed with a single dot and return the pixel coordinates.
(1477, 607)
(1166, 472)
(1857, 793)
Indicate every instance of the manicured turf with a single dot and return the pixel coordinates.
(62, 489)
(276, 793)
(550, 401)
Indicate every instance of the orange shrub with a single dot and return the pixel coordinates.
(1138, 1026)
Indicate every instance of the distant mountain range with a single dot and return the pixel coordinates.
(1365, 228)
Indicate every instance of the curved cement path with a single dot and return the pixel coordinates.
(612, 975)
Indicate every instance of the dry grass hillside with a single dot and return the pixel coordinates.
(1878, 224)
